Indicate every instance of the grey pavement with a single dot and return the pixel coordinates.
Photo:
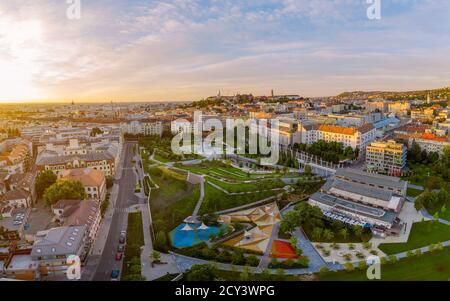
(265, 260)
(125, 199)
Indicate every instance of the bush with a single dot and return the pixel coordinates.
(202, 273)
(393, 259)
(348, 267)
(252, 260)
(324, 271)
(362, 265)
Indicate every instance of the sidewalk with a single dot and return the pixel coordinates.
(149, 272)
(102, 235)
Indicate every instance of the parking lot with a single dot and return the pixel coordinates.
(16, 221)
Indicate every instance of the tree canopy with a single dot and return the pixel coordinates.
(63, 189)
(43, 181)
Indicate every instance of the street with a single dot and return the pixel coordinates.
(126, 198)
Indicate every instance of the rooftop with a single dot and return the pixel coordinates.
(58, 241)
(367, 211)
(371, 178)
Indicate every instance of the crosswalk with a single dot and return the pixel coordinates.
(124, 210)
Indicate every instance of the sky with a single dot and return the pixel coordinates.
(145, 50)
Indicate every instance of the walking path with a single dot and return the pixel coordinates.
(242, 193)
(315, 260)
(425, 214)
(265, 260)
(158, 270)
(202, 197)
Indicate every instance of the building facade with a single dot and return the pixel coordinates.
(386, 158)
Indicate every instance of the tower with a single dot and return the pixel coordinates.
(428, 98)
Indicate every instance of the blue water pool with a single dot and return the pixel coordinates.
(184, 239)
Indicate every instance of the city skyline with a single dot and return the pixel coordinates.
(187, 50)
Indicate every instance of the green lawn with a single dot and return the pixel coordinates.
(428, 267)
(245, 187)
(446, 214)
(220, 169)
(135, 239)
(216, 200)
(422, 234)
(420, 173)
(413, 192)
(175, 213)
(172, 187)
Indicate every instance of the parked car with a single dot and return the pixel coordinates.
(17, 223)
(122, 237)
(121, 248)
(119, 256)
(115, 275)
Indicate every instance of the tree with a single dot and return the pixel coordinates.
(238, 258)
(96, 131)
(432, 183)
(349, 266)
(358, 230)
(245, 275)
(252, 260)
(324, 270)
(69, 190)
(317, 233)
(155, 256)
(344, 233)
(110, 182)
(308, 170)
(328, 235)
(43, 181)
(280, 274)
(160, 240)
(205, 272)
(362, 265)
(266, 275)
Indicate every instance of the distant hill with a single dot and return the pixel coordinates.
(443, 94)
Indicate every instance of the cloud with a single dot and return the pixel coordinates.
(188, 49)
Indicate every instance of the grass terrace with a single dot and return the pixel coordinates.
(131, 269)
(172, 187)
(226, 171)
(217, 200)
(428, 267)
(248, 187)
(422, 234)
(411, 192)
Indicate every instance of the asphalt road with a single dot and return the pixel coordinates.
(126, 198)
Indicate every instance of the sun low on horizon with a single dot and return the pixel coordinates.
(172, 50)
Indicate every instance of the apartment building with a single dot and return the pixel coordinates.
(386, 157)
(93, 181)
(372, 106)
(431, 143)
(399, 108)
(52, 248)
(288, 132)
(350, 137)
(425, 114)
(17, 159)
(104, 158)
(143, 127)
(78, 213)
